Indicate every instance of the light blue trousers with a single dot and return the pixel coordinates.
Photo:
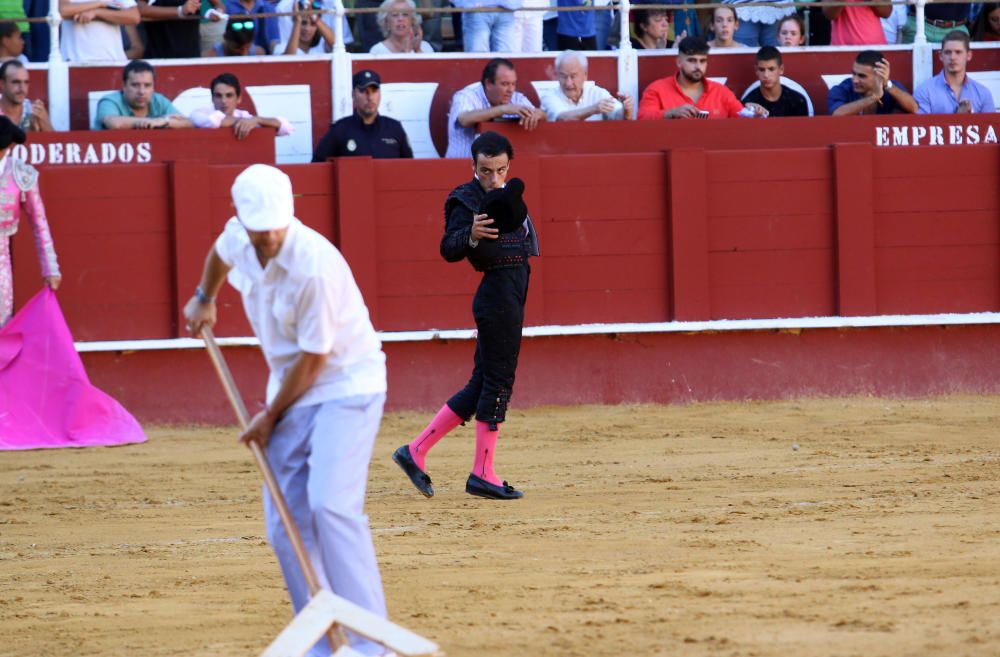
(320, 456)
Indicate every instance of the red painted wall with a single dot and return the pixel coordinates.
(688, 234)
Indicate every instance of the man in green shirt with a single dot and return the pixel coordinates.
(137, 105)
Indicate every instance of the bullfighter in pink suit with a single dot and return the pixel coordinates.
(19, 193)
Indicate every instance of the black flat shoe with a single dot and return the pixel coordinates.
(481, 488)
(419, 478)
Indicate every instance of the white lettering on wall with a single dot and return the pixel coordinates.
(881, 136)
(900, 136)
(107, 153)
(126, 152)
(73, 153)
(972, 134)
(56, 153)
(991, 135)
(90, 157)
(937, 135)
(145, 152)
(954, 135)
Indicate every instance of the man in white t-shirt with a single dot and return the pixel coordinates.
(326, 388)
(574, 100)
(91, 29)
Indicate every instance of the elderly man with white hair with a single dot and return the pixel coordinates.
(325, 391)
(574, 100)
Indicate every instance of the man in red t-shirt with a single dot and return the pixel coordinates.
(689, 94)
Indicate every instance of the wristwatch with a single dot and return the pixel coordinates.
(888, 85)
(203, 298)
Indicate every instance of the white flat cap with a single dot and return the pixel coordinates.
(262, 195)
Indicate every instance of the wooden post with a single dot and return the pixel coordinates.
(191, 234)
(688, 211)
(354, 186)
(853, 199)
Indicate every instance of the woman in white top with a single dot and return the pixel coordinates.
(310, 35)
(400, 25)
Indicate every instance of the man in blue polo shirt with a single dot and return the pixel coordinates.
(952, 91)
(576, 30)
(365, 132)
(869, 90)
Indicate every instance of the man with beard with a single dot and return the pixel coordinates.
(869, 90)
(690, 94)
(366, 132)
(14, 103)
(494, 98)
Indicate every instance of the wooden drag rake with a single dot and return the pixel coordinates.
(326, 614)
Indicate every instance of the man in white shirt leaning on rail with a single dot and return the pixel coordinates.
(575, 101)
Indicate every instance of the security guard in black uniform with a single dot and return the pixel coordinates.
(366, 132)
(487, 222)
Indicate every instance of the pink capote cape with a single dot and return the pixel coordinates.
(46, 399)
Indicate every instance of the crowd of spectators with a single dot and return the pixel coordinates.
(98, 31)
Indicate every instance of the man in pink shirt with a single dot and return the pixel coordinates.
(857, 26)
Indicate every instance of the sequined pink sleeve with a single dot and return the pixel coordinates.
(35, 209)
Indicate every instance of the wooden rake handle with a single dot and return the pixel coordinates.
(336, 634)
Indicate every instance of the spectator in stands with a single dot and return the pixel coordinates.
(575, 101)
(266, 34)
(758, 26)
(494, 98)
(652, 29)
(14, 104)
(892, 26)
(939, 19)
(323, 9)
(724, 26)
(138, 105)
(791, 32)
(690, 94)
(869, 90)
(400, 25)
(90, 29)
(528, 27)
(857, 25)
(952, 90)
(11, 43)
(237, 40)
(309, 35)
(365, 132)
(225, 113)
(488, 31)
(212, 25)
(170, 31)
(987, 25)
(575, 30)
(773, 96)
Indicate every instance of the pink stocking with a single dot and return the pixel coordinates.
(443, 422)
(486, 444)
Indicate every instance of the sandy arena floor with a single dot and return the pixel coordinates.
(676, 531)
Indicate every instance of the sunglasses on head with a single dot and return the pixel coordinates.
(241, 25)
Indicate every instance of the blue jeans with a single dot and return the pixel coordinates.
(488, 32)
(755, 35)
(602, 26)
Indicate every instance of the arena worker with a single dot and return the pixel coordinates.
(486, 222)
(574, 100)
(137, 105)
(326, 387)
(19, 184)
(225, 113)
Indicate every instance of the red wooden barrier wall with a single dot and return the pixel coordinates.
(644, 237)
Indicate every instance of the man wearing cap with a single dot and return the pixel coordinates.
(325, 391)
(366, 132)
(487, 222)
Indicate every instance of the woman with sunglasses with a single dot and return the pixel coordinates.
(237, 41)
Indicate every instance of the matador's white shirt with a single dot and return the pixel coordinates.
(305, 300)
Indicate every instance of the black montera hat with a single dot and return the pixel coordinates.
(505, 206)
